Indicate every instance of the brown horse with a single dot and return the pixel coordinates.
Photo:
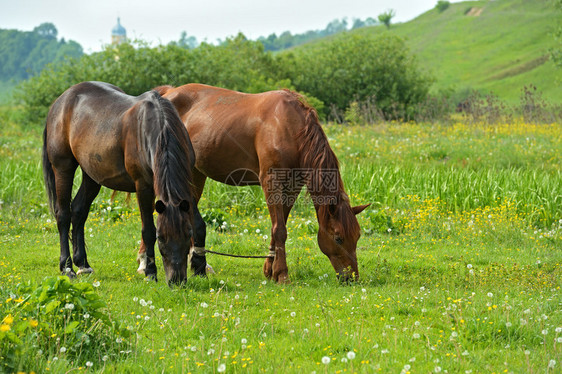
(275, 140)
(133, 144)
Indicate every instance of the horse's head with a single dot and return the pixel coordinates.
(338, 235)
(174, 231)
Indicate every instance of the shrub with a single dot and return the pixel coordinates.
(442, 5)
(58, 319)
(357, 68)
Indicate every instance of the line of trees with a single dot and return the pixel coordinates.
(331, 73)
(285, 40)
(25, 53)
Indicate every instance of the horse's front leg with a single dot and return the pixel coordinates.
(145, 197)
(198, 259)
(279, 205)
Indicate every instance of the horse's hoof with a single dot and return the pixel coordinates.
(69, 273)
(151, 277)
(268, 269)
(282, 278)
(87, 270)
(142, 264)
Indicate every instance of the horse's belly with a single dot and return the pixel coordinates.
(107, 171)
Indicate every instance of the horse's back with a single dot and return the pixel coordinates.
(233, 131)
(85, 125)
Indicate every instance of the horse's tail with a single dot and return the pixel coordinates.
(163, 89)
(49, 174)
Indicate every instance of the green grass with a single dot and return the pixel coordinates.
(502, 50)
(460, 264)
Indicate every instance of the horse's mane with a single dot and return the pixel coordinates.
(172, 163)
(324, 181)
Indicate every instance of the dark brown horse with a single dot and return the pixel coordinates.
(275, 140)
(126, 143)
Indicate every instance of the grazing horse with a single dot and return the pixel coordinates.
(134, 144)
(275, 140)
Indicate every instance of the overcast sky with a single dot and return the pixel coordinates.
(160, 21)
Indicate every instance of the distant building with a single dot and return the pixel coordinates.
(118, 33)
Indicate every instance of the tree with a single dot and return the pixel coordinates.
(386, 17)
(442, 5)
(350, 67)
(187, 42)
(47, 30)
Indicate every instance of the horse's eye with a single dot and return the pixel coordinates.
(339, 240)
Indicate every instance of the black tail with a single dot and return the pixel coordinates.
(49, 175)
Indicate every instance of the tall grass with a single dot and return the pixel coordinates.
(458, 271)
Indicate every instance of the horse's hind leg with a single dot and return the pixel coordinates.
(63, 184)
(80, 208)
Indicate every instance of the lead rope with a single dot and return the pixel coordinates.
(201, 252)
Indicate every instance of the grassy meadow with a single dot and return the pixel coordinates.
(460, 267)
(501, 46)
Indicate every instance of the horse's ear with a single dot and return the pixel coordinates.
(160, 206)
(359, 208)
(184, 205)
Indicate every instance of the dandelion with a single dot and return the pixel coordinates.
(544, 332)
(325, 360)
(407, 367)
(293, 314)
(142, 302)
(243, 341)
(62, 349)
(527, 352)
(489, 294)
(437, 369)
(416, 335)
(194, 349)
(465, 353)
(558, 330)
(350, 355)
(221, 368)
(258, 231)
(344, 360)
(508, 324)
(89, 364)
(204, 305)
(119, 340)
(69, 306)
(135, 299)
(469, 266)
(96, 284)
(551, 364)
(105, 358)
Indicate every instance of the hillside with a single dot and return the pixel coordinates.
(498, 46)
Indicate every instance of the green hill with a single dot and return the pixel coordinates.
(497, 46)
